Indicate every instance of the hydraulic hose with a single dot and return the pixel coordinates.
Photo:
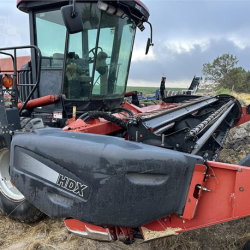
(131, 114)
(107, 116)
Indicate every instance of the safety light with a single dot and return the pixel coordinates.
(119, 12)
(141, 26)
(111, 10)
(102, 6)
(7, 81)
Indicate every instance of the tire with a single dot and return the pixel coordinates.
(12, 202)
(247, 246)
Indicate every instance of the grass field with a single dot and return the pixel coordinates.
(245, 97)
(148, 91)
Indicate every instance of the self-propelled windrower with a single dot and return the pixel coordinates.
(72, 148)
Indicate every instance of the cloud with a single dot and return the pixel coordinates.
(139, 54)
(179, 67)
(186, 34)
(241, 43)
(169, 84)
(185, 46)
(14, 26)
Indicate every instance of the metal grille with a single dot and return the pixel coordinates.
(25, 84)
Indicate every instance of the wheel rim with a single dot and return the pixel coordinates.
(7, 187)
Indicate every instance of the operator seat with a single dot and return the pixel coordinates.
(102, 69)
(78, 81)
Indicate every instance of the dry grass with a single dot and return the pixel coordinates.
(51, 235)
(245, 97)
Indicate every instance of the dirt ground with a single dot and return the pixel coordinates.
(51, 234)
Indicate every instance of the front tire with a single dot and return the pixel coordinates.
(247, 246)
(12, 202)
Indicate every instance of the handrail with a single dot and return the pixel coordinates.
(38, 70)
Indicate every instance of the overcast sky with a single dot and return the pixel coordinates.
(187, 33)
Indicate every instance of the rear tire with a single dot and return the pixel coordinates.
(12, 202)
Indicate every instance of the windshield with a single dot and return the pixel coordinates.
(51, 35)
(98, 58)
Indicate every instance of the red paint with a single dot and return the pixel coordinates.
(102, 127)
(225, 202)
(39, 102)
(96, 126)
(244, 117)
(6, 64)
(123, 234)
(127, 94)
(77, 225)
(192, 199)
(18, 2)
(152, 108)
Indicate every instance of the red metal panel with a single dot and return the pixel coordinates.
(228, 200)
(244, 117)
(192, 200)
(103, 127)
(151, 108)
(77, 225)
(99, 233)
(88, 230)
(241, 206)
(97, 126)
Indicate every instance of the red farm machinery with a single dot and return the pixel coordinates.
(72, 148)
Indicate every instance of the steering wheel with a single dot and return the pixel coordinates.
(92, 51)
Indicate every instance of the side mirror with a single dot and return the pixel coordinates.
(72, 18)
(148, 45)
(150, 40)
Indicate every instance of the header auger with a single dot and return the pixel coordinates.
(72, 148)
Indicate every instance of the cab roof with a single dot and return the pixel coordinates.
(137, 6)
